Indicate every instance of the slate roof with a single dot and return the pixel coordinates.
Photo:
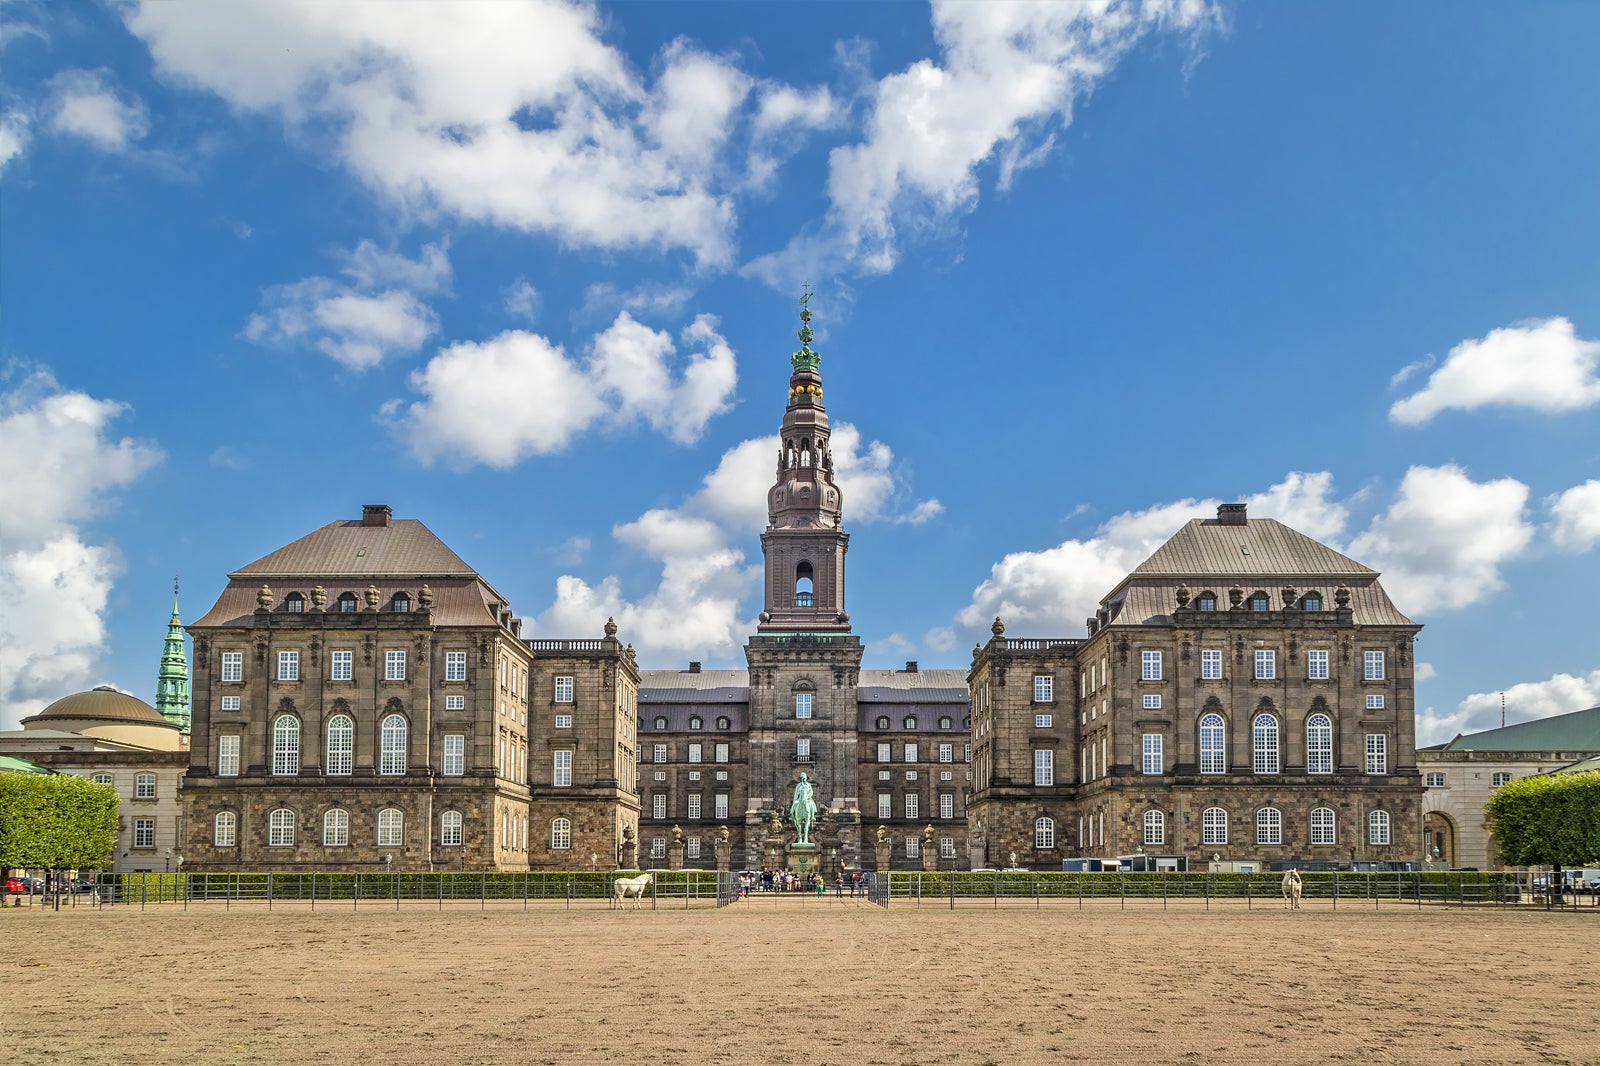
(1261, 547)
(903, 686)
(1151, 602)
(706, 686)
(1576, 731)
(403, 547)
(457, 601)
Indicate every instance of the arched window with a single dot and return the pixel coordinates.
(1319, 744)
(1214, 826)
(280, 828)
(1213, 745)
(882, 722)
(341, 744)
(347, 603)
(450, 829)
(911, 721)
(1259, 601)
(336, 829)
(1311, 601)
(660, 722)
(391, 828)
(401, 602)
(1044, 833)
(294, 603)
(945, 722)
(560, 834)
(1155, 827)
(1264, 744)
(392, 755)
(802, 585)
(227, 825)
(1378, 827)
(286, 745)
(696, 722)
(1322, 823)
(1206, 601)
(724, 722)
(1269, 826)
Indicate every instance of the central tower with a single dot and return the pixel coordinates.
(804, 662)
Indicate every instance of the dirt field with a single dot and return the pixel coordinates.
(789, 984)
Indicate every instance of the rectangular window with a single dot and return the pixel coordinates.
(1150, 666)
(884, 775)
(233, 666)
(144, 832)
(288, 666)
(563, 690)
(1372, 665)
(885, 806)
(722, 753)
(144, 787)
(802, 705)
(658, 848)
(1375, 702)
(719, 805)
(1501, 777)
(455, 754)
(563, 721)
(694, 753)
(455, 666)
(1044, 766)
(341, 665)
(694, 805)
(947, 847)
(691, 847)
(1211, 666)
(658, 805)
(912, 803)
(563, 769)
(722, 775)
(1043, 721)
(946, 775)
(911, 753)
(659, 775)
(1044, 687)
(694, 775)
(1322, 826)
(658, 753)
(456, 702)
(1378, 827)
(884, 753)
(230, 703)
(394, 666)
(1377, 753)
(802, 749)
(228, 756)
(911, 775)
(947, 805)
(947, 753)
(1152, 702)
(1152, 753)
(1435, 780)
(1266, 665)
(1316, 665)
(913, 847)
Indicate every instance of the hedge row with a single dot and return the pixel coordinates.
(377, 885)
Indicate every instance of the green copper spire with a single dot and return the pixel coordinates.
(805, 358)
(172, 681)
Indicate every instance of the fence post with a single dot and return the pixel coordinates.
(1249, 903)
(1034, 881)
(1336, 890)
(1080, 891)
(313, 890)
(997, 890)
(1122, 888)
(653, 904)
(1163, 890)
(1208, 889)
(355, 895)
(1417, 880)
(269, 891)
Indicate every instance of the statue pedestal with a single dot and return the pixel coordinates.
(802, 858)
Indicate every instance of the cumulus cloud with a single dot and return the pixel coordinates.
(378, 312)
(59, 467)
(1007, 77)
(84, 103)
(521, 300)
(518, 394)
(1442, 542)
(1576, 515)
(1525, 702)
(1541, 364)
(13, 136)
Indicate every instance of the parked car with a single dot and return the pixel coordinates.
(17, 885)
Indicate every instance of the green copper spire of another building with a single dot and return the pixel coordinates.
(805, 358)
(172, 682)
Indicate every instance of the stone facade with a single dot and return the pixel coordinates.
(1459, 783)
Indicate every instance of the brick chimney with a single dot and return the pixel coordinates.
(375, 514)
(911, 666)
(694, 666)
(1231, 514)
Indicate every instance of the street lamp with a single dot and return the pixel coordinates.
(169, 860)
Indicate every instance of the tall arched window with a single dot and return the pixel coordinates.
(1044, 833)
(341, 744)
(286, 745)
(280, 828)
(336, 829)
(392, 759)
(1269, 826)
(1155, 827)
(391, 828)
(802, 585)
(1213, 745)
(560, 834)
(1264, 744)
(227, 825)
(1378, 827)
(450, 829)
(1322, 826)
(1214, 826)
(1319, 744)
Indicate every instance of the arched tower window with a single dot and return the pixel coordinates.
(802, 585)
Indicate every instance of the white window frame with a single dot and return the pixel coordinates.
(394, 664)
(561, 768)
(947, 805)
(913, 805)
(1377, 749)
(233, 666)
(1152, 759)
(560, 834)
(913, 847)
(1375, 701)
(451, 829)
(455, 702)
(1317, 665)
(1434, 779)
(394, 733)
(563, 690)
(339, 753)
(1155, 827)
(144, 832)
(694, 806)
(658, 806)
(1152, 701)
(1266, 664)
(1044, 767)
(1210, 665)
(1043, 721)
(391, 828)
(455, 666)
(1379, 828)
(802, 705)
(1501, 777)
(695, 752)
(225, 830)
(947, 847)
(230, 703)
(1324, 827)
(144, 786)
(341, 665)
(658, 753)
(285, 745)
(455, 754)
(228, 755)
(911, 752)
(1044, 688)
(1372, 666)
(1264, 752)
(947, 753)
(1150, 666)
(885, 806)
(722, 752)
(885, 752)
(719, 805)
(1319, 744)
(288, 666)
(336, 828)
(1269, 826)
(691, 847)
(280, 828)
(563, 721)
(1214, 826)
(1044, 833)
(1213, 744)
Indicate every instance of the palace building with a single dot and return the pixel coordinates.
(362, 696)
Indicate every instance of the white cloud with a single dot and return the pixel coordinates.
(476, 408)
(377, 313)
(58, 469)
(521, 300)
(1577, 517)
(1443, 540)
(604, 300)
(1525, 702)
(1541, 364)
(13, 136)
(84, 104)
(1426, 672)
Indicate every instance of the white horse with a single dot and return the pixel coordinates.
(1291, 890)
(631, 886)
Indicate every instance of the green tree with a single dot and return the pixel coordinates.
(56, 822)
(1549, 820)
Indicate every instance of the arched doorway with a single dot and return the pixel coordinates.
(1439, 839)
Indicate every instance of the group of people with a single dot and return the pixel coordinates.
(844, 882)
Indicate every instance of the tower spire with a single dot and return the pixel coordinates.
(172, 679)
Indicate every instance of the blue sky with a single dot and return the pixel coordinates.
(528, 272)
